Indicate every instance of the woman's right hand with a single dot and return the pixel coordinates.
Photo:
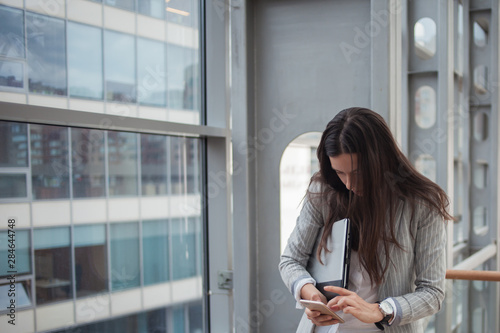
(310, 292)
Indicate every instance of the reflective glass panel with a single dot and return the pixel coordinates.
(13, 144)
(195, 318)
(124, 4)
(297, 165)
(425, 107)
(480, 220)
(13, 185)
(49, 162)
(11, 74)
(87, 152)
(151, 72)
(11, 32)
(186, 12)
(425, 38)
(119, 61)
(85, 74)
(184, 165)
(177, 163)
(192, 165)
(426, 165)
(125, 271)
(480, 126)
(46, 54)
(480, 80)
(154, 8)
(52, 264)
(91, 265)
(22, 252)
(480, 32)
(184, 248)
(23, 295)
(155, 251)
(183, 78)
(122, 160)
(179, 318)
(481, 174)
(154, 164)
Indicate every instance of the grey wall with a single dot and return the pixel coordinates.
(302, 78)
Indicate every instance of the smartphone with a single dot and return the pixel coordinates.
(321, 307)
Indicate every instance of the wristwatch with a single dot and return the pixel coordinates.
(387, 311)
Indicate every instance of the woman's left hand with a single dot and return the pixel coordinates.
(349, 302)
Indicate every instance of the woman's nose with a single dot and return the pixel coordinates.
(348, 182)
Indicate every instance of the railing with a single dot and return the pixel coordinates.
(458, 274)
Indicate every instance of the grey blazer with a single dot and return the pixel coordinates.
(415, 279)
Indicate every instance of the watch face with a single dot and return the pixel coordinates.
(386, 308)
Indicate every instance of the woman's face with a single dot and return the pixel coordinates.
(346, 167)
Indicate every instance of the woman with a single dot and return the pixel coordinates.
(397, 270)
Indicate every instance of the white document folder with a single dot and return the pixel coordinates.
(335, 268)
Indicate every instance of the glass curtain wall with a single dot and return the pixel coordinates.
(112, 213)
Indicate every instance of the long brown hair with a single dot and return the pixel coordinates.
(387, 176)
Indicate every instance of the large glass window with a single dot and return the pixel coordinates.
(151, 72)
(122, 157)
(13, 185)
(13, 154)
(49, 161)
(11, 32)
(155, 251)
(88, 163)
(46, 54)
(154, 8)
(11, 46)
(85, 74)
(21, 241)
(183, 78)
(124, 4)
(154, 164)
(11, 74)
(52, 264)
(125, 251)
(91, 265)
(184, 248)
(185, 12)
(13, 144)
(119, 61)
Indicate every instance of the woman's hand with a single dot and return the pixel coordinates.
(349, 302)
(310, 292)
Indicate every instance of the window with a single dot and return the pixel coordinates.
(154, 8)
(184, 12)
(183, 78)
(151, 72)
(184, 165)
(13, 144)
(122, 157)
(184, 248)
(52, 264)
(11, 46)
(23, 257)
(119, 61)
(88, 163)
(155, 251)
(91, 273)
(85, 72)
(124, 4)
(125, 271)
(11, 32)
(46, 55)
(153, 164)
(49, 162)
